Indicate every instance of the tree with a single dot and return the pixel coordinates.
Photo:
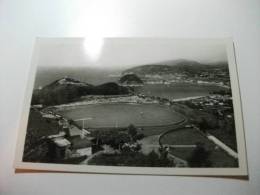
(204, 125)
(199, 156)
(113, 138)
(132, 131)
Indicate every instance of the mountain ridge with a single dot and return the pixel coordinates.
(130, 79)
(175, 66)
(67, 90)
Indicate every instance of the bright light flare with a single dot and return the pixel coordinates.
(94, 20)
(93, 47)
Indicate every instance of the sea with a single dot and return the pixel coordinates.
(45, 76)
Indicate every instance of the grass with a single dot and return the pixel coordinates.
(220, 132)
(133, 159)
(122, 115)
(34, 149)
(189, 136)
(185, 136)
(228, 139)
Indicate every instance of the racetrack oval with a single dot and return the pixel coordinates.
(122, 115)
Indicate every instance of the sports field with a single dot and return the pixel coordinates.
(122, 115)
(190, 136)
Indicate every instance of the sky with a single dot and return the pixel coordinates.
(122, 53)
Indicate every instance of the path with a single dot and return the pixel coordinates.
(150, 143)
(107, 150)
(223, 146)
(85, 162)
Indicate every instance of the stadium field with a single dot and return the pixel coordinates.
(122, 115)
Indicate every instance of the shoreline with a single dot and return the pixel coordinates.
(188, 98)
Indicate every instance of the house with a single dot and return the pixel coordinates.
(58, 146)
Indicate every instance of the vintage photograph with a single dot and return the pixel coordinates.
(133, 105)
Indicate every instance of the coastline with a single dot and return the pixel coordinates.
(187, 98)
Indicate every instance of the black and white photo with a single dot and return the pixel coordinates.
(133, 105)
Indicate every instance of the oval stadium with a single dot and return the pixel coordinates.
(121, 115)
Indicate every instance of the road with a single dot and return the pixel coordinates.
(223, 146)
(152, 143)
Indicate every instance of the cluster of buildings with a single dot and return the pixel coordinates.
(220, 105)
(71, 144)
(165, 78)
(218, 77)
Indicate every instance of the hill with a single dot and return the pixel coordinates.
(35, 149)
(130, 79)
(110, 89)
(176, 66)
(68, 90)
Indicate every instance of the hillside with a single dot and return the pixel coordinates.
(130, 79)
(68, 90)
(176, 66)
(35, 149)
(110, 89)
